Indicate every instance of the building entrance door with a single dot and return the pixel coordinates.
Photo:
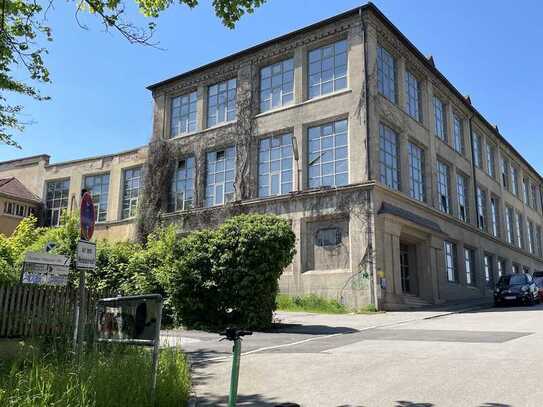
(404, 268)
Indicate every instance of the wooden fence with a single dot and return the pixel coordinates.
(29, 310)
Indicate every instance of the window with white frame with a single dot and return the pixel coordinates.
(327, 69)
(98, 186)
(469, 265)
(481, 208)
(56, 201)
(538, 241)
(510, 224)
(439, 119)
(458, 134)
(388, 157)
(526, 190)
(505, 172)
(514, 180)
(132, 180)
(328, 155)
(443, 187)
(220, 176)
(18, 210)
(183, 114)
(531, 236)
(495, 216)
(450, 261)
(416, 169)
(386, 74)
(488, 269)
(490, 160)
(277, 85)
(182, 189)
(413, 96)
(221, 102)
(516, 268)
(462, 194)
(520, 232)
(275, 173)
(533, 195)
(477, 151)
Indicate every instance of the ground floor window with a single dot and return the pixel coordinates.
(487, 263)
(450, 261)
(469, 261)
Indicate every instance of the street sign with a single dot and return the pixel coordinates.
(50, 246)
(87, 216)
(86, 255)
(45, 269)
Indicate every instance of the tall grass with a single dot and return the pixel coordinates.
(112, 376)
(309, 303)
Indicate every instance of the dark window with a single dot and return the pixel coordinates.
(328, 237)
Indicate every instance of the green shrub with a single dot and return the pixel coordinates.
(310, 303)
(112, 266)
(236, 266)
(114, 376)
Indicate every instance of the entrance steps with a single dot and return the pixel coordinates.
(406, 302)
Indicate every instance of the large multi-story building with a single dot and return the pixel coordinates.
(398, 189)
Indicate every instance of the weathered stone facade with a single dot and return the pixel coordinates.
(364, 241)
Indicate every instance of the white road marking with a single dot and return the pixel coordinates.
(284, 345)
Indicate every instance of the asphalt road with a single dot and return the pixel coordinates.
(483, 358)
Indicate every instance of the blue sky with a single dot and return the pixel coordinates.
(490, 50)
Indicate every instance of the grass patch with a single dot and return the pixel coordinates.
(368, 309)
(309, 303)
(43, 376)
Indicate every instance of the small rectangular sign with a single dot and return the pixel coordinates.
(46, 258)
(45, 269)
(86, 255)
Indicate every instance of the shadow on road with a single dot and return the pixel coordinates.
(243, 400)
(403, 403)
(309, 329)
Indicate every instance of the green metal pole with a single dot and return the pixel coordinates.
(235, 374)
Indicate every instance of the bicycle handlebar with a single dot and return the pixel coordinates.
(234, 333)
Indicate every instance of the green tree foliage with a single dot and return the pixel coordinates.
(234, 267)
(23, 35)
(27, 237)
(201, 276)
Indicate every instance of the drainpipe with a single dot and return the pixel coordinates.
(370, 227)
(366, 94)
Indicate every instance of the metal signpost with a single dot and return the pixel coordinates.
(86, 259)
(45, 269)
(131, 320)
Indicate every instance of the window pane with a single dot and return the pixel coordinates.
(182, 187)
(327, 147)
(416, 167)
(327, 69)
(183, 114)
(221, 102)
(98, 186)
(386, 74)
(388, 157)
(131, 192)
(220, 176)
(275, 165)
(56, 201)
